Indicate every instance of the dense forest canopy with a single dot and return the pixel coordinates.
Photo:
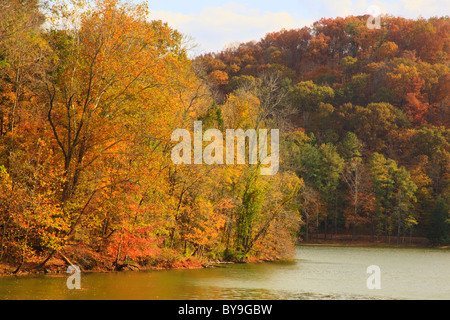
(87, 109)
(365, 114)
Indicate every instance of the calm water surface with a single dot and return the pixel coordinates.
(315, 273)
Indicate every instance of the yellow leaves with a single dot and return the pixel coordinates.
(421, 180)
(404, 79)
(4, 176)
(90, 161)
(373, 67)
(387, 50)
(411, 221)
(241, 111)
(231, 175)
(203, 223)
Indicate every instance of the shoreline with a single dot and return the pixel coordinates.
(376, 244)
(59, 270)
(59, 266)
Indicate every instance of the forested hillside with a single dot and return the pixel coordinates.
(365, 115)
(88, 105)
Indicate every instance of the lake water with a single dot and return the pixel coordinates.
(316, 272)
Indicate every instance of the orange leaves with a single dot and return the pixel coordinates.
(202, 222)
(134, 244)
(318, 48)
(404, 79)
(89, 156)
(387, 50)
(219, 78)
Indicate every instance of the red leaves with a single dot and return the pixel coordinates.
(416, 109)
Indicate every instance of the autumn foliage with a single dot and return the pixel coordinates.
(353, 103)
(88, 105)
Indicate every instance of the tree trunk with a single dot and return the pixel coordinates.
(118, 252)
(307, 226)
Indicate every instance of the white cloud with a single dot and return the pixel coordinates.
(336, 8)
(410, 9)
(176, 20)
(426, 8)
(216, 27)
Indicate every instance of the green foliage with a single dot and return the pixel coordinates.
(350, 147)
(321, 167)
(438, 229)
(252, 200)
(394, 193)
(213, 118)
(307, 96)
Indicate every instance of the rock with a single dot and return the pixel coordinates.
(86, 263)
(127, 267)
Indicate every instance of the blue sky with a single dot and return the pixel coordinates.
(216, 24)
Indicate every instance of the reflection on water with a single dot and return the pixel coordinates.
(315, 273)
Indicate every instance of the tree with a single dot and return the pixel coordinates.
(394, 193)
(433, 142)
(321, 167)
(376, 123)
(404, 79)
(386, 51)
(265, 211)
(307, 96)
(438, 226)
(352, 175)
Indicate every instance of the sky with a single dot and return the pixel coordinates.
(215, 24)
